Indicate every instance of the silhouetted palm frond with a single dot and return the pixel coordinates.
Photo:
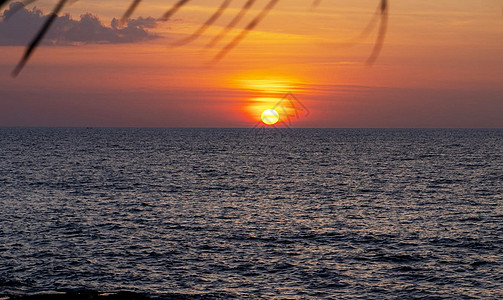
(206, 24)
(129, 11)
(381, 34)
(39, 37)
(381, 14)
(253, 23)
(248, 4)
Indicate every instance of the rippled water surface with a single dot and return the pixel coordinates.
(297, 214)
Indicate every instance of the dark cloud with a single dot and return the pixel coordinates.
(18, 25)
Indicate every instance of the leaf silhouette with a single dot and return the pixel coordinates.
(381, 34)
(248, 4)
(38, 37)
(381, 16)
(129, 12)
(206, 24)
(253, 23)
(173, 9)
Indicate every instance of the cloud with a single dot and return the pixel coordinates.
(19, 25)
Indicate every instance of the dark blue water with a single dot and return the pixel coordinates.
(296, 214)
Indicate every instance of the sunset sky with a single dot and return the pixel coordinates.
(441, 65)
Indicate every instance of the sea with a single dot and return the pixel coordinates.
(171, 213)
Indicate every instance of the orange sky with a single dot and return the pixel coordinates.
(441, 66)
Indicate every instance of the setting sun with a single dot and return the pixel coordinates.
(270, 116)
(251, 148)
